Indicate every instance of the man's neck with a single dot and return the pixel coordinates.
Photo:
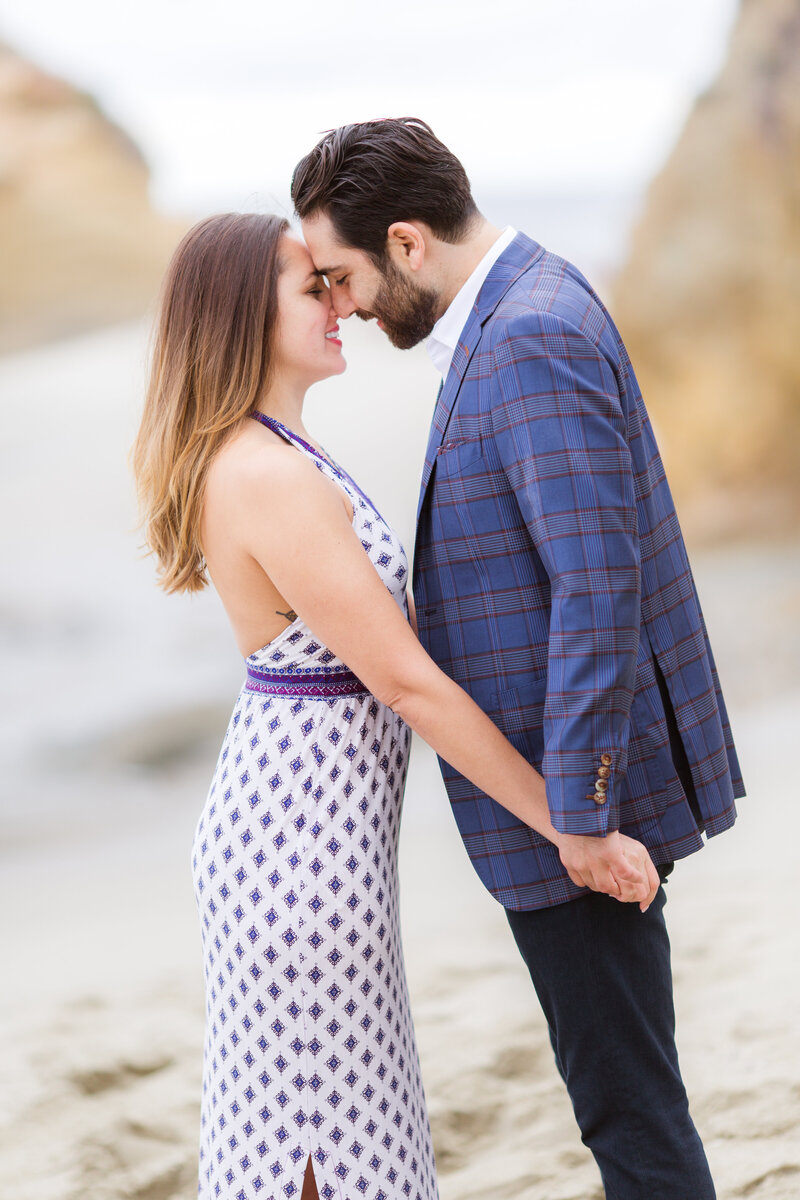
(459, 260)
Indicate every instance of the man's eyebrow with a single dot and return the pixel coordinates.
(328, 270)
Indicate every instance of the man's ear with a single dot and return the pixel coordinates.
(406, 245)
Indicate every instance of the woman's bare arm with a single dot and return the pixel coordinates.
(309, 549)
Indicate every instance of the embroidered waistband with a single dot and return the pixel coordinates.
(318, 685)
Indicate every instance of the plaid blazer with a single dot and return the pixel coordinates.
(550, 572)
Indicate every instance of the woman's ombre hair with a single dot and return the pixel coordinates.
(210, 364)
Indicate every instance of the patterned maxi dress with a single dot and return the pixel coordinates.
(309, 1045)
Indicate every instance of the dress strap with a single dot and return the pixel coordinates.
(294, 439)
(289, 436)
(274, 425)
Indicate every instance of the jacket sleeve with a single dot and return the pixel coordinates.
(559, 430)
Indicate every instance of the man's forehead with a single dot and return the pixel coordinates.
(329, 254)
(319, 230)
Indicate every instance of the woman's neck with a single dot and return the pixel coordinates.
(284, 404)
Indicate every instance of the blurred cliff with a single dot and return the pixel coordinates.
(79, 242)
(709, 301)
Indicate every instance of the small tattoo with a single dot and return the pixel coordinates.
(291, 615)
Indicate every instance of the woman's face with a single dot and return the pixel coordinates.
(307, 346)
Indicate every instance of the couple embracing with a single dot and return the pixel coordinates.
(557, 662)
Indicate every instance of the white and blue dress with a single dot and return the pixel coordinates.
(310, 1046)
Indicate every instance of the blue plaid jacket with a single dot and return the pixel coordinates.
(550, 572)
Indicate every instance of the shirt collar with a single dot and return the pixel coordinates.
(443, 339)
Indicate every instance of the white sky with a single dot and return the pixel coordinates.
(553, 96)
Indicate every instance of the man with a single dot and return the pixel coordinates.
(552, 583)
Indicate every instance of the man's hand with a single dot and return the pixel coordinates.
(639, 856)
(616, 865)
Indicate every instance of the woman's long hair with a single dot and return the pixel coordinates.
(210, 364)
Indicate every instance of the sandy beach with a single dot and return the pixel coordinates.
(114, 701)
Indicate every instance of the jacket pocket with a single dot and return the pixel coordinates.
(456, 453)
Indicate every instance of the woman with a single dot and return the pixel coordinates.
(311, 1077)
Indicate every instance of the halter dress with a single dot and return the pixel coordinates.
(309, 1046)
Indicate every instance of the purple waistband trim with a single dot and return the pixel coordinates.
(318, 685)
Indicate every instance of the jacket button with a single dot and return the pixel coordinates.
(605, 759)
(600, 798)
(604, 772)
(601, 785)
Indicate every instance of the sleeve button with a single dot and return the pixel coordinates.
(605, 759)
(600, 798)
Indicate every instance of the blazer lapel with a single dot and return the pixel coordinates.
(467, 343)
(514, 260)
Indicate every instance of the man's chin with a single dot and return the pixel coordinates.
(403, 339)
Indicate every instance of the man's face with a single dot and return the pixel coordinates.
(405, 311)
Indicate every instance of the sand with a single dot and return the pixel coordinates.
(114, 701)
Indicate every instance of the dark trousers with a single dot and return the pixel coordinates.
(602, 973)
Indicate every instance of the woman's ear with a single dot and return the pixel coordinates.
(405, 243)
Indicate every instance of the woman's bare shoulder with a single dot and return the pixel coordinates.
(253, 469)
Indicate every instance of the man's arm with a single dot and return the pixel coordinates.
(560, 433)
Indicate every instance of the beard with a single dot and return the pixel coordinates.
(407, 312)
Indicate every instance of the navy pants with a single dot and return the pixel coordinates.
(602, 973)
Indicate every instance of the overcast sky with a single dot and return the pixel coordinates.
(554, 96)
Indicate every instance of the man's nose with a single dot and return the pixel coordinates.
(342, 304)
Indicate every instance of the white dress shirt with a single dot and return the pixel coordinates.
(443, 339)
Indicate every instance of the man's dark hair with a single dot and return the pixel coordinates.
(364, 177)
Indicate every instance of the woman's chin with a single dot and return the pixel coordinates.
(327, 370)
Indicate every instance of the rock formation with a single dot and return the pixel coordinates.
(709, 302)
(80, 245)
